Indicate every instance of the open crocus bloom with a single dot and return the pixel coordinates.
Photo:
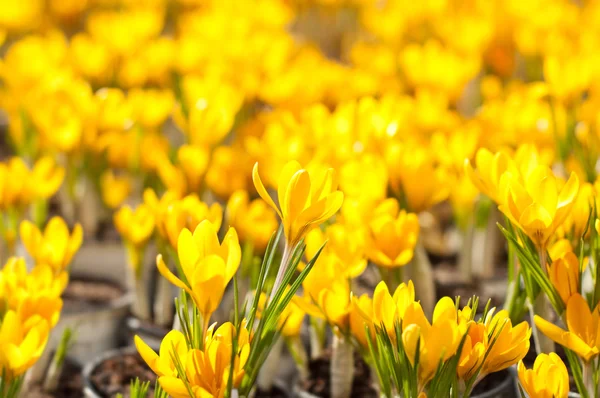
(207, 265)
(582, 335)
(306, 199)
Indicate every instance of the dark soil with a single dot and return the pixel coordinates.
(492, 381)
(275, 392)
(87, 294)
(318, 382)
(114, 375)
(70, 384)
(448, 283)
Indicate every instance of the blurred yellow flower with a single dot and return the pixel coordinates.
(254, 220)
(346, 242)
(53, 246)
(393, 234)
(115, 188)
(20, 348)
(420, 181)
(135, 227)
(490, 167)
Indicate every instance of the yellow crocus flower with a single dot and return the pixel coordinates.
(306, 199)
(549, 377)
(193, 162)
(14, 191)
(490, 167)
(206, 370)
(582, 335)
(577, 219)
(162, 363)
(254, 220)
(136, 228)
(388, 309)
(115, 188)
(55, 246)
(361, 314)
(135, 225)
(207, 265)
(20, 348)
(437, 341)
(473, 351)
(188, 213)
(346, 242)
(46, 178)
(535, 203)
(32, 294)
(511, 342)
(393, 234)
(150, 107)
(564, 275)
(327, 292)
(415, 174)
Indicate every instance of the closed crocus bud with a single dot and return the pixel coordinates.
(115, 188)
(207, 265)
(254, 220)
(393, 235)
(549, 377)
(55, 246)
(193, 161)
(13, 184)
(564, 275)
(20, 348)
(577, 219)
(361, 315)
(306, 199)
(536, 204)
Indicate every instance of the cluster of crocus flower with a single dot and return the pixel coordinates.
(155, 115)
(452, 353)
(30, 299)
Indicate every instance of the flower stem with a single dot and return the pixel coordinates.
(541, 307)
(287, 251)
(342, 367)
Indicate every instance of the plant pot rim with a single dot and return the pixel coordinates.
(124, 300)
(89, 390)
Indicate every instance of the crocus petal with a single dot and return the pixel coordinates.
(260, 188)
